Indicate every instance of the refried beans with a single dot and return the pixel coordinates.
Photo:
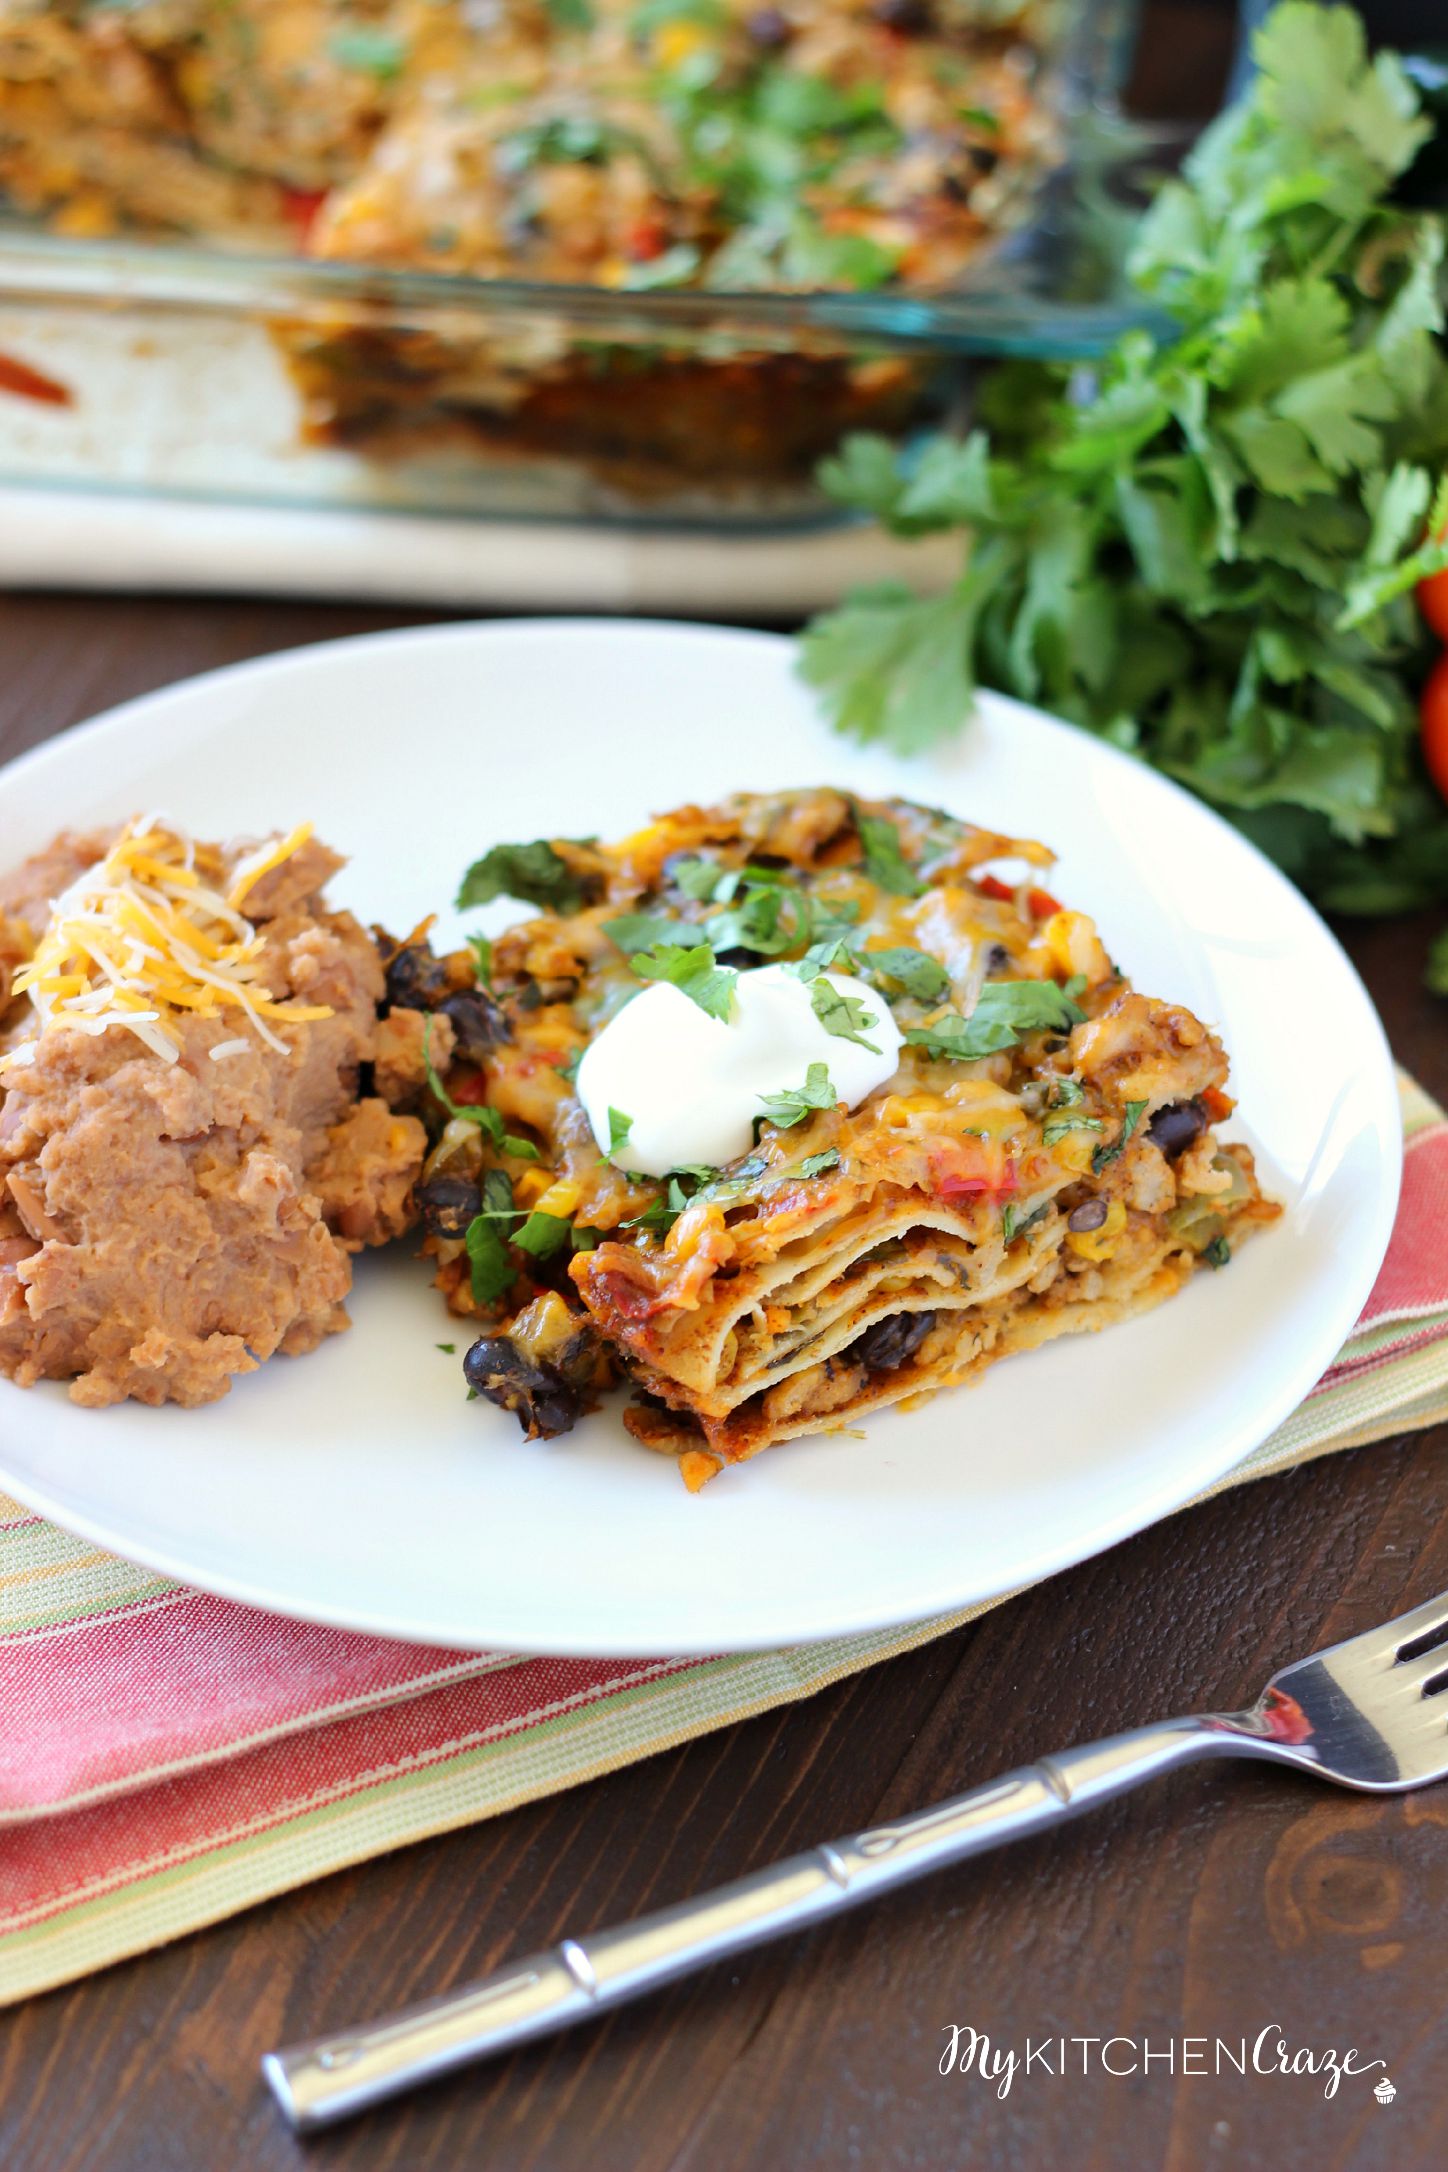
(169, 1220)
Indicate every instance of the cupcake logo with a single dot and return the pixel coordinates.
(1384, 2091)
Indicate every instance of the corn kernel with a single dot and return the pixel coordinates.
(676, 41)
(560, 1199)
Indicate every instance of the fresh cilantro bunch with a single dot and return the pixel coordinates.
(1203, 546)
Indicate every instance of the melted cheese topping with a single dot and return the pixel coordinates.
(142, 937)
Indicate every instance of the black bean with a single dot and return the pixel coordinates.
(997, 958)
(912, 18)
(885, 1346)
(1089, 1215)
(1174, 1128)
(447, 1205)
(416, 980)
(478, 1024)
(540, 1399)
(768, 29)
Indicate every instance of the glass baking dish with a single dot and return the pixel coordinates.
(177, 368)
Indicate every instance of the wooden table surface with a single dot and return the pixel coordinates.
(1218, 1904)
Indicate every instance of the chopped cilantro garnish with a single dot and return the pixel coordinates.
(920, 975)
(482, 950)
(835, 950)
(797, 1102)
(1056, 1127)
(492, 1269)
(1004, 1010)
(498, 1193)
(1105, 1154)
(1218, 1252)
(885, 861)
(619, 1127)
(1076, 987)
(660, 1217)
(1015, 1224)
(816, 1164)
(1064, 1114)
(693, 972)
(488, 1120)
(571, 14)
(643, 931)
(696, 878)
(842, 1015)
(535, 873)
(449, 1349)
(369, 49)
(543, 1234)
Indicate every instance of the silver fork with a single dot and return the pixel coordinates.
(1361, 1713)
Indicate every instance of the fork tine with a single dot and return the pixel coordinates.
(1391, 1637)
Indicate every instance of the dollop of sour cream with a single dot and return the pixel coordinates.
(691, 1085)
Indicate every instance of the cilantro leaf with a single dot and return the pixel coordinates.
(696, 878)
(369, 49)
(543, 1234)
(843, 1015)
(643, 931)
(1056, 1126)
(693, 972)
(1217, 1253)
(797, 1102)
(488, 1120)
(834, 950)
(773, 917)
(816, 1164)
(1135, 1110)
(661, 1214)
(1203, 548)
(619, 1127)
(920, 975)
(482, 950)
(1015, 1224)
(1004, 1010)
(492, 1269)
(534, 873)
(885, 861)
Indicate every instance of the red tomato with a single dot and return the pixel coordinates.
(468, 1088)
(972, 1165)
(647, 238)
(28, 384)
(1039, 903)
(1433, 602)
(302, 206)
(1433, 711)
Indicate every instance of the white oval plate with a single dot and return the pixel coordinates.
(357, 1486)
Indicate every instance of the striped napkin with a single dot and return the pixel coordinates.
(168, 1759)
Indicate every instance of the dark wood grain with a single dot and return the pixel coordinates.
(1214, 1905)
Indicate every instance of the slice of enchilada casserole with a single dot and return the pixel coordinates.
(944, 1126)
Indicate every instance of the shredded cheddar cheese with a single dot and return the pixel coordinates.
(144, 935)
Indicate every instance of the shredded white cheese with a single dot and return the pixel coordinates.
(142, 937)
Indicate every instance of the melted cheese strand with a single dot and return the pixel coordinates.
(141, 938)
